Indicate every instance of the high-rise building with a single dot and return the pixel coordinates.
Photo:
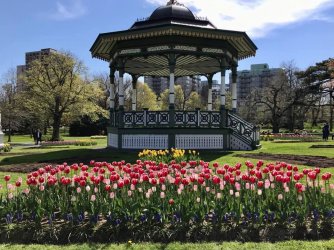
(160, 84)
(29, 58)
(157, 84)
(257, 77)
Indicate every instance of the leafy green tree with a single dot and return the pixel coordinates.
(146, 98)
(194, 101)
(179, 98)
(10, 104)
(319, 78)
(57, 83)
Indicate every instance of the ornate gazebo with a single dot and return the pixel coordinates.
(171, 43)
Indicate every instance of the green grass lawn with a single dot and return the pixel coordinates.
(291, 245)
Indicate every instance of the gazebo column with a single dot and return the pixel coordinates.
(134, 93)
(112, 94)
(222, 89)
(210, 80)
(121, 89)
(234, 89)
(223, 111)
(172, 63)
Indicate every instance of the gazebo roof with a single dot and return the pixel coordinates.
(173, 28)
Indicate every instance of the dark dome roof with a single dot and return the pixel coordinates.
(172, 11)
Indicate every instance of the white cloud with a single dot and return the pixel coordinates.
(71, 10)
(256, 17)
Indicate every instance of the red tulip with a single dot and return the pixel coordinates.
(171, 202)
(7, 178)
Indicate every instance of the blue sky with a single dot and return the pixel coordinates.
(283, 30)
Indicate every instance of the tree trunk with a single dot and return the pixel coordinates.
(9, 133)
(275, 125)
(56, 127)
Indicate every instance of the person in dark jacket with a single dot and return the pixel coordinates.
(38, 137)
(325, 131)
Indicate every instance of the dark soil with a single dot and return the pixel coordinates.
(307, 160)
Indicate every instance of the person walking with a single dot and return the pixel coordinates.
(325, 131)
(38, 137)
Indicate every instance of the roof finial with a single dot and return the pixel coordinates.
(173, 2)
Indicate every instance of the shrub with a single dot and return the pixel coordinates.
(85, 143)
(6, 148)
(98, 137)
(58, 143)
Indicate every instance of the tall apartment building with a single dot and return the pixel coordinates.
(29, 58)
(160, 84)
(157, 84)
(257, 77)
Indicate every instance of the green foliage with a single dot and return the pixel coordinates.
(98, 137)
(6, 148)
(193, 102)
(179, 98)
(86, 143)
(146, 98)
(56, 84)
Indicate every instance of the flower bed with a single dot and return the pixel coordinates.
(162, 202)
(64, 143)
(290, 137)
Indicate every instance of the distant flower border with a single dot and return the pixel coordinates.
(68, 143)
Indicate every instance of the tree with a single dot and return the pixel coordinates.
(276, 98)
(193, 102)
(179, 98)
(56, 82)
(11, 111)
(319, 78)
(146, 98)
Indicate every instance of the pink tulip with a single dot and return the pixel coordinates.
(114, 186)
(259, 191)
(195, 187)
(87, 188)
(280, 197)
(163, 187)
(247, 185)
(10, 196)
(96, 190)
(129, 193)
(231, 192)
(207, 189)
(112, 195)
(41, 187)
(287, 189)
(78, 190)
(162, 195)
(93, 198)
(219, 195)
